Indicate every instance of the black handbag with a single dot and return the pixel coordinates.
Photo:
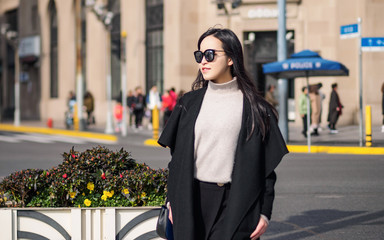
(162, 221)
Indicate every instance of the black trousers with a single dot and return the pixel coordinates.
(210, 202)
(305, 125)
(139, 113)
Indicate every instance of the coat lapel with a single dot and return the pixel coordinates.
(247, 176)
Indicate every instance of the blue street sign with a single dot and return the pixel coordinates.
(349, 31)
(372, 44)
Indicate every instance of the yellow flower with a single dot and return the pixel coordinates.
(108, 194)
(126, 191)
(91, 186)
(83, 194)
(5, 199)
(143, 194)
(79, 206)
(111, 193)
(72, 194)
(87, 202)
(104, 197)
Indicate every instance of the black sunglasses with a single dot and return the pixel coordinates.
(209, 55)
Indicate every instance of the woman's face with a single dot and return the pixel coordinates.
(218, 70)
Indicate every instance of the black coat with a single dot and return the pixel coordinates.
(334, 103)
(253, 177)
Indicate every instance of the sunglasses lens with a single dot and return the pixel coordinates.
(198, 56)
(209, 55)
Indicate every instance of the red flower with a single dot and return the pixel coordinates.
(65, 175)
(47, 173)
(103, 176)
(73, 155)
(121, 175)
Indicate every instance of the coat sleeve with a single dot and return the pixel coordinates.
(169, 134)
(275, 149)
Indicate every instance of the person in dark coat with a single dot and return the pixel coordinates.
(139, 105)
(382, 106)
(335, 107)
(225, 145)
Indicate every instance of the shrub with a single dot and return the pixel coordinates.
(96, 177)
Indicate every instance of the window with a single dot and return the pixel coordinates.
(154, 44)
(53, 50)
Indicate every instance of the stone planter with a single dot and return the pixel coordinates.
(133, 223)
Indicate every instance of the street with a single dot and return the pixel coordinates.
(29, 150)
(329, 197)
(318, 196)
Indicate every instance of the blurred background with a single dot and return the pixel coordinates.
(50, 49)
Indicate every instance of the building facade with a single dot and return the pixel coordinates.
(161, 38)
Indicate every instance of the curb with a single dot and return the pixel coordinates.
(52, 131)
(337, 150)
(151, 142)
(314, 149)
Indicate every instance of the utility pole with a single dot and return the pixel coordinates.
(79, 72)
(105, 17)
(108, 126)
(282, 83)
(124, 83)
(361, 131)
(16, 120)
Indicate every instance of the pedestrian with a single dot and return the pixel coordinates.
(169, 102)
(90, 106)
(322, 97)
(69, 113)
(179, 95)
(118, 114)
(303, 109)
(138, 107)
(382, 106)
(335, 107)
(153, 102)
(270, 95)
(315, 109)
(225, 144)
(130, 100)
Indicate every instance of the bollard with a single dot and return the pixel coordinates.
(49, 123)
(75, 118)
(155, 122)
(368, 126)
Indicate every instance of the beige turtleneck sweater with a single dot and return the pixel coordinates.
(216, 132)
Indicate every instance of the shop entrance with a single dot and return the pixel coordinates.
(261, 48)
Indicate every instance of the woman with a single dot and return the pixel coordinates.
(315, 99)
(225, 145)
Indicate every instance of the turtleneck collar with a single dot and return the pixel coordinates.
(230, 86)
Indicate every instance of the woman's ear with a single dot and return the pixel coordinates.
(230, 62)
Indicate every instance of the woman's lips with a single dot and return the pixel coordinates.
(205, 69)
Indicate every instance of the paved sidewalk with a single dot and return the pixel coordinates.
(344, 142)
(347, 136)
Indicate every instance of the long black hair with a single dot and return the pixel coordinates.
(233, 49)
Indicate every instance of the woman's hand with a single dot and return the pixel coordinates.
(260, 229)
(170, 212)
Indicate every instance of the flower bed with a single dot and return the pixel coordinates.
(97, 177)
